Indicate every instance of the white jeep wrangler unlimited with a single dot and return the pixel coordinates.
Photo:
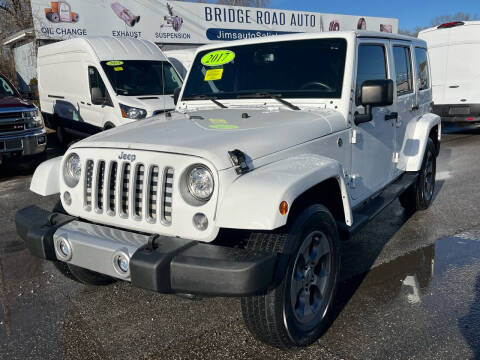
(279, 148)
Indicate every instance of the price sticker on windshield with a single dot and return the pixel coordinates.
(218, 57)
(214, 74)
(114, 63)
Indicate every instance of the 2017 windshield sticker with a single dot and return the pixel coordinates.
(118, 68)
(218, 57)
(213, 74)
(114, 63)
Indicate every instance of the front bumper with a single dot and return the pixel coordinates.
(174, 265)
(27, 143)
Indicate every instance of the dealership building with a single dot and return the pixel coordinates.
(170, 24)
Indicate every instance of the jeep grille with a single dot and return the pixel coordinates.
(129, 190)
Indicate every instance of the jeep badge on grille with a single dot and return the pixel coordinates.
(128, 157)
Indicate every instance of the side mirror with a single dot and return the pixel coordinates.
(374, 93)
(97, 96)
(176, 95)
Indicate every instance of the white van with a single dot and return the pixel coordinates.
(91, 84)
(454, 50)
(181, 59)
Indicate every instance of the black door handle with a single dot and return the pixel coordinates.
(391, 116)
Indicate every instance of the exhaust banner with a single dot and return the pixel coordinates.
(164, 21)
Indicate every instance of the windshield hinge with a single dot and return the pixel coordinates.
(239, 159)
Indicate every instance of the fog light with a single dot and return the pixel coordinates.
(67, 198)
(63, 249)
(200, 221)
(41, 140)
(121, 263)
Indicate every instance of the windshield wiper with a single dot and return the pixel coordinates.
(271, 96)
(206, 97)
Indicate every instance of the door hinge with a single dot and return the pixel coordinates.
(396, 157)
(353, 181)
(354, 136)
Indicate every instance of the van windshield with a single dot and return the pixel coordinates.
(141, 77)
(5, 88)
(311, 68)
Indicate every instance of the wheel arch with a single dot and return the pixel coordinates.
(427, 127)
(252, 201)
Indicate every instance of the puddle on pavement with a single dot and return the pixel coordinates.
(412, 274)
(434, 290)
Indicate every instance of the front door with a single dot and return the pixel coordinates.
(94, 114)
(373, 144)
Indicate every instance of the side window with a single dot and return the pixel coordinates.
(403, 68)
(95, 81)
(423, 71)
(372, 65)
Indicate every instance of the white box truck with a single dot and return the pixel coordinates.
(454, 49)
(92, 84)
(181, 59)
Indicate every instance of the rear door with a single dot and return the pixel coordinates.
(372, 150)
(406, 101)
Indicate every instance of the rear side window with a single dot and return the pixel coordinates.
(423, 70)
(403, 68)
(372, 65)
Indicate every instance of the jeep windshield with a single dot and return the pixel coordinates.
(283, 69)
(141, 77)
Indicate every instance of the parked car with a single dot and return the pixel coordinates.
(22, 131)
(453, 49)
(250, 186)
(92, 84)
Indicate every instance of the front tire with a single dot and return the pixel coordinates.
(297, 311)
(419, 196)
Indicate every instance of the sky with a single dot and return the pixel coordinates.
(410, 13)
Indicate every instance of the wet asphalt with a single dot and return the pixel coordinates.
(410, 288)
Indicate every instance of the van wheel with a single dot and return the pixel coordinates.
(419, 196)
(298, 310)
(108, 126)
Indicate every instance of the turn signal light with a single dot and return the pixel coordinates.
(283, 208)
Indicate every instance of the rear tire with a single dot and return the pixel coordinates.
(298, 310)
(419, 196)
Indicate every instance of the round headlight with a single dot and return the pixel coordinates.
(200, 182)
(72, 170)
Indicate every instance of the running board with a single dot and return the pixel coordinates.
(364, 214)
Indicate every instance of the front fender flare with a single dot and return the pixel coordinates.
(252, 201)
(46, 179)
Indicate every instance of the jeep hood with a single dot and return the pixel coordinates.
(210, 134)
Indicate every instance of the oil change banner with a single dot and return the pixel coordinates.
(164, 21)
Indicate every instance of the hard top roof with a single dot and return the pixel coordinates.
(107, 48)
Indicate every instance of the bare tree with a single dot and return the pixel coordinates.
(15, 15)
(442, 19)
(460, 16)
